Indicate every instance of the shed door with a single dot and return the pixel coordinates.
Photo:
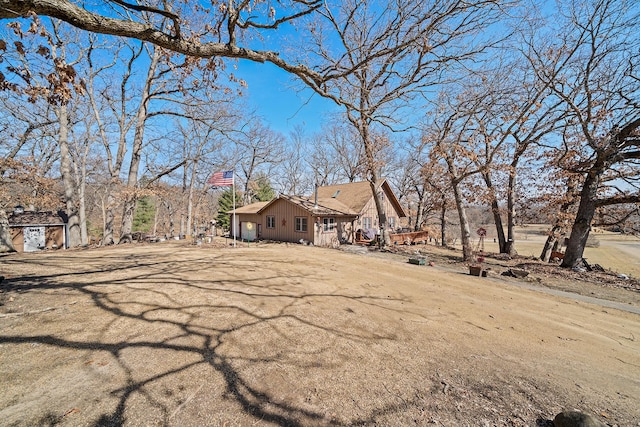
(33, 239)
(248, 231)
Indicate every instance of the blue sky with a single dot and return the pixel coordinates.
(279, 100)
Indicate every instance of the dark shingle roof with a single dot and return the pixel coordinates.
(36, 218)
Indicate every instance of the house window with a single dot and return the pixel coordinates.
(329, 224)
(367, 223)
(301, 224)
(392, 222)
(271, 221)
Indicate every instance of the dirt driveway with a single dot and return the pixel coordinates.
(273, 334)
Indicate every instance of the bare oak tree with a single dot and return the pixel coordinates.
(599, 89)
(384, 56)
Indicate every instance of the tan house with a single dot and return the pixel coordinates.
(35, 231)
(330, 218)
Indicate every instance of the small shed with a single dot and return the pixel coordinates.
(35, 231)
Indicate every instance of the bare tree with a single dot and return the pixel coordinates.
(450, 136)
(168, 90)
(386, 56)
(424, 185)
(208, 126)
(62, 108)
(28, 130)
(513, 114)
(600, 90)
(257, 150)
(110, 107)
(292, 175)
(348, 152)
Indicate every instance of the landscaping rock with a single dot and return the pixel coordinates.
(516, 272)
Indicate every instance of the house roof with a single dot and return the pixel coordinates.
(325, 206)
(356, 195)
(339, 200)
(252, 208)
(30, 218)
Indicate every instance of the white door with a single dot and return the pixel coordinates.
(248, 231)
(33, 238)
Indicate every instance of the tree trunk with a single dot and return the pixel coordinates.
(550, 243)
(582, 223)
(82, 214)
(6, 244)
(558, 228)
(495, 210)
(443, 221)
(510, 244)
(82, 200)
(419, 208)
(385, 239)
(465, 233)
(109, 219)
(131, 198)
(70, 190)
(192, 179)
(172, 223)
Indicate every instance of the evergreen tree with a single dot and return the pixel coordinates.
(225, 205)
(264, 192)
(144, 216)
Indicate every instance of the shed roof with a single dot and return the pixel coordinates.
(30, 218)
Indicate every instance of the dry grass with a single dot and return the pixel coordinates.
(173, 334)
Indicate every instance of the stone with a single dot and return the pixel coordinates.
(520, 274)
(576, 419)
(515, 272)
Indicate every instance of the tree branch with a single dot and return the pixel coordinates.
(93, 22)
(618, 200)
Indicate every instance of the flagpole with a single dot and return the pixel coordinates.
(233, 190)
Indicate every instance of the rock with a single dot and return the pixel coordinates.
(576, 419)
(516, 272)
(519, 273)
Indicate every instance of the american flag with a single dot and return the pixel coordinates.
(222, 179)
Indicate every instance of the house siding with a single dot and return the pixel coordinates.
(371, 212)
(254, 218)
(342, 233)
(285, 231)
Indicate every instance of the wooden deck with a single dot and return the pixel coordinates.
(409, 238)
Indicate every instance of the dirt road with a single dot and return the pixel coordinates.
(174, 334)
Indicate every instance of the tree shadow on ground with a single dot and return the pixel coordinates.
(146, 292)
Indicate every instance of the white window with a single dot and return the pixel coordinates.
(271, 221)
(329, 224)
(301, 224)
(367, 223)
(392, 222)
